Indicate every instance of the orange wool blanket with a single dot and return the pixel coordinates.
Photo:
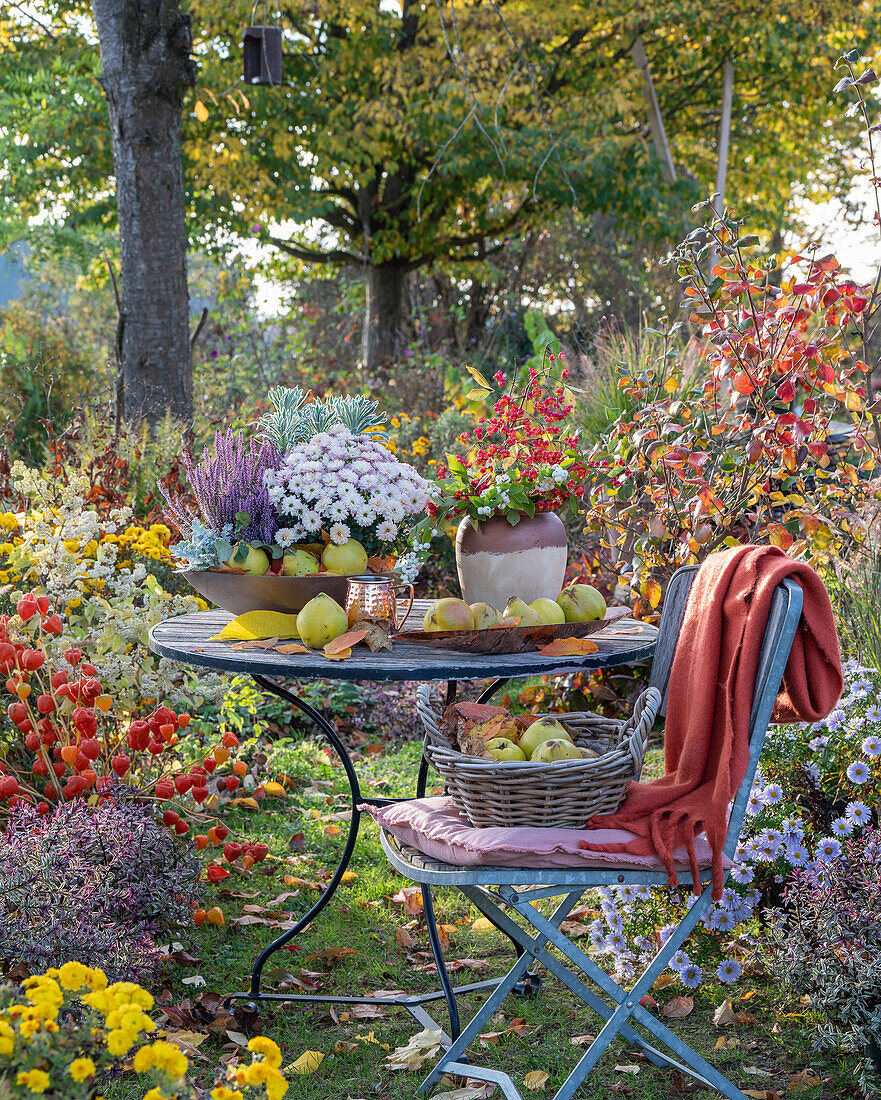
(711, 690)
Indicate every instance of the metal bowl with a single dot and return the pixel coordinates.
(239, 592)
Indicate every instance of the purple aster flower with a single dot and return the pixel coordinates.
(691, 976)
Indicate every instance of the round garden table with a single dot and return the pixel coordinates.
(186, 639)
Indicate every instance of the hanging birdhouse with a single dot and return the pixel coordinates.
(262, 48)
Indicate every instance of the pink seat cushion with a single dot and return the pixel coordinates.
(436, 828)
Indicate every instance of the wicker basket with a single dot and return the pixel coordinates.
(562, 794)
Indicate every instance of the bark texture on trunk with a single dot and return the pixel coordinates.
(381, 335)
(146, 65)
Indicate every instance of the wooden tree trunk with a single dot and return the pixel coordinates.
(146, 65)
(381, 335)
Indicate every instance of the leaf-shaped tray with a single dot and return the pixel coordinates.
(509, 639)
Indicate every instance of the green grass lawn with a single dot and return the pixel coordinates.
(387, 948)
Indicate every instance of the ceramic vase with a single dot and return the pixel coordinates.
(497, 560)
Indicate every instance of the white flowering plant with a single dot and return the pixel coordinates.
(349, 486)
(816, 786)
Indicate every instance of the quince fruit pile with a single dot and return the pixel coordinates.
(577, 603)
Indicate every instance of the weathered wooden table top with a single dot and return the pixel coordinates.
(186, 639)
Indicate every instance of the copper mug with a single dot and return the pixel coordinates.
(376, 598)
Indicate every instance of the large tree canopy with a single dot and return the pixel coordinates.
(413, 134)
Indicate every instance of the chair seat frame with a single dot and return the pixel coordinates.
(497, 892)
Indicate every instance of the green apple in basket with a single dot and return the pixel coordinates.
(503, 748)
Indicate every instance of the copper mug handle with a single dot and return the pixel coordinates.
(406, 588)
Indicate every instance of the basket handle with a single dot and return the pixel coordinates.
(635, 732)
(427, 713)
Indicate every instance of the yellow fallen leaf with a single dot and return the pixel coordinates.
(348, 876)
(341, 656)
(568, 647)
(273, 788)
(483, 925)
(258, 624)
(307, 1063)
(536, 1079)
(292, 647)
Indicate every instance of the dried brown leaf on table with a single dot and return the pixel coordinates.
(292, 647)
(376, 635)
(260, 643)
(404, 939)
(568, 647)
(343, 655)
(678, 1008)
(536, 1079)
(344, 641)
(422, 1047)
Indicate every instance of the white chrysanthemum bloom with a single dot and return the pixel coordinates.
(339, 533)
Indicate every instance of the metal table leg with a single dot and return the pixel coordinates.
(413, 1003)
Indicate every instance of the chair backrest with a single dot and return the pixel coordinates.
(777, 641)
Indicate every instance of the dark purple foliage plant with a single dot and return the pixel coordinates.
(92, 884)
(227, 483)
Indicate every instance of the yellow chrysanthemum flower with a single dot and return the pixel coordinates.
(276, 1085)
(73, 975)
(221, 1092)
(156, 1094)
(120, 1042)
(81, 1068)
(262, 1044)
(37, 1080)
(163, 1056)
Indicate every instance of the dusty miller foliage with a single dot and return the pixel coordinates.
(296, 420)
(92, 884)
(826, 943)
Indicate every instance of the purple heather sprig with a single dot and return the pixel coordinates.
(227, 484)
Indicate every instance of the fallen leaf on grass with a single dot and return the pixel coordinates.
(807, 1079)
(404, 939)
(726, 1044)
(444, 934)
(422, 1047)
(302, 883)
(483, 925)
(492, 1037)
(306, 1064)
(329, 953)
(536, 1079)
(292, 647)
(411, 899)
(581, 1040)
(663, 981)
(348, 876)
(763, 1094)
(332, 830)
(194, 979)
(568, 647)
(469, 1092)
(456, 964)
(678, 1008)
(627, 1068)
(725, 1016)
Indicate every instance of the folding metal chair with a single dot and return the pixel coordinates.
(493, 890)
